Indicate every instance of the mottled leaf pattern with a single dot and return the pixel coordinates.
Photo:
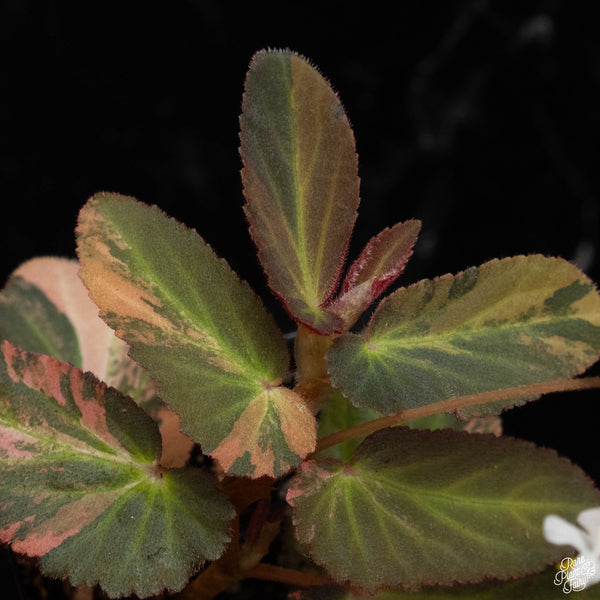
(46, 308)
(31, 320)
(510, 322)
(300, 181)
(416, 507)
(276, 421)
(199, 330)
(80, 487)
(46, 292)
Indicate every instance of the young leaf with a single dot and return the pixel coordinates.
(300, 181)
(380, 263)
(510, 322)
(79, 485)
(199, 330)
(419, 507)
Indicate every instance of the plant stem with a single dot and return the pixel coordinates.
(362, 429)
(285, 575)
(312, 379)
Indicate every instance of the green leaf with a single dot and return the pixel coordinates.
(79, 485)
(199, 330)
(416, 507)
(336, 415)
(534, 587)
(510, 322)
(300, 181)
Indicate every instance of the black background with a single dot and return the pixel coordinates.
(480, 118)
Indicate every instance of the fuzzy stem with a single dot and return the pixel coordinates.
(535, 389)
(312, 379)
(284, 575)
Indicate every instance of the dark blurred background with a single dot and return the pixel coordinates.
(480, 117)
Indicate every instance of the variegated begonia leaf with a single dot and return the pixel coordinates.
(199, 330)
(30, 319)
(541, 586)
(417, 507)
(46, 308)
(509, 322)
(380, 263)
(301, 183)
(46, 294)
(80, 485)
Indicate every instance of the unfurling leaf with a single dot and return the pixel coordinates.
(199, 330)
(421, 507)
(380, 263)
(300, 181)
(80, 487)
(510, 322)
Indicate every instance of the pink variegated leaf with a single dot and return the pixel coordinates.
(46, 308)
(80, 485)
(102, 352)
(30, 319)
(380, 263)
(199, 330)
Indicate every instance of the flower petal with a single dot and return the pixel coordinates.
(558, 531)
(590, 520)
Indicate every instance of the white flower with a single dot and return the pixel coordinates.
(585, 570)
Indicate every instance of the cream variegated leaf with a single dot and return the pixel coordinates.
(199, 331)
(81, 488)
(509, 322)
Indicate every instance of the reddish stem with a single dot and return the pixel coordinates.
(536, 389)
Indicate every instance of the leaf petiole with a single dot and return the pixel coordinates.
(362, 429)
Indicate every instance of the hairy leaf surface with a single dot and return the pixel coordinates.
(510, 322)
(416, 507)
(79, 485)
(199, 330)
(46, 308)
(300, 181)
(380, 263)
